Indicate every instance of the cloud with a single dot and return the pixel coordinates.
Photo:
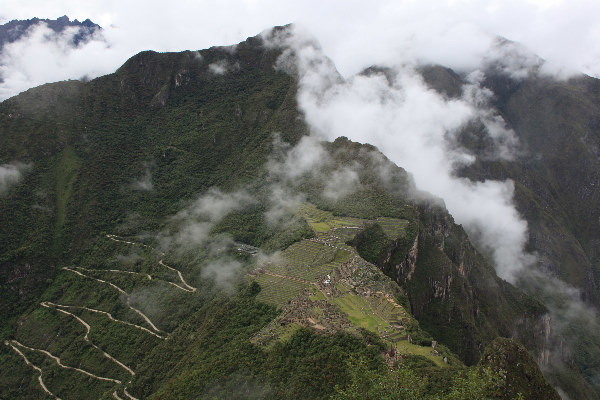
(355, 35)
(290, 167)
(341, 183)
(43, 55)
(416, 128)
(223, 271)
(574, 325)
(190, 236)
(131, 258)
(283, 203)
(221, 67)
(195, 222)
(504, 140)
(10, 174)
(288, 163)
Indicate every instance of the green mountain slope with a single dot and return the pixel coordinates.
(163, 242)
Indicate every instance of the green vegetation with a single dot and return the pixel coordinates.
(406, 384)
(278, 291)
(92, 264)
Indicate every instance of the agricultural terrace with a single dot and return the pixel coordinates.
(392, 227)
(308, 280)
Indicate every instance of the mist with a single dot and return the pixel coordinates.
(11, 174)
(43, 55)
(416, 128)
(290, 167)
(222, 67)
(144, 182)
(189, 235)
(557, 37)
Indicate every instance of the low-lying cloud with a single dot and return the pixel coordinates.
(190, 234)
(43, 55)
(461, 35)
(341, 183)
(10, 174)
(416, 128)
(291, 166)
(222, 67)
(195, 222)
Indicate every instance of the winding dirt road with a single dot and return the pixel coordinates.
(60, 364)
(32, 365)
(187, 288)
(116, 239)
(148, 321)
(128, 395)
(86, 338)
(109, 315)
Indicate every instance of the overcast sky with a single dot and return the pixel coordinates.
(355, 34)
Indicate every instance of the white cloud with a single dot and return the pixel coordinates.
(218, 68)
(43, 55)
(190, 234)
(306, 157)
(11, 174)
(191, 227)
(341, 183)
(458, 34)
(283, 204)
(415, 127)
(222, 67)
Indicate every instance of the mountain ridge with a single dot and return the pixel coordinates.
(14, 30)
(193, 128)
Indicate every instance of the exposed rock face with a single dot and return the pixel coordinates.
(455, 293)
(407, 267)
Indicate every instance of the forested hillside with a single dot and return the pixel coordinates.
(172, 230)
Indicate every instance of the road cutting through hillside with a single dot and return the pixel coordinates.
(128, 395)
(60, 364)
(109, 315)
(115, 238)
(32, 365)
(188, 288)
(120, 291)
(87, 339)
(123, 271)
(116, 396)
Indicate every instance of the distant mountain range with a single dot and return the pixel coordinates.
(15, 30)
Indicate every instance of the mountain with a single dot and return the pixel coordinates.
(555, 178)
(173, 230)
(14, 30)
